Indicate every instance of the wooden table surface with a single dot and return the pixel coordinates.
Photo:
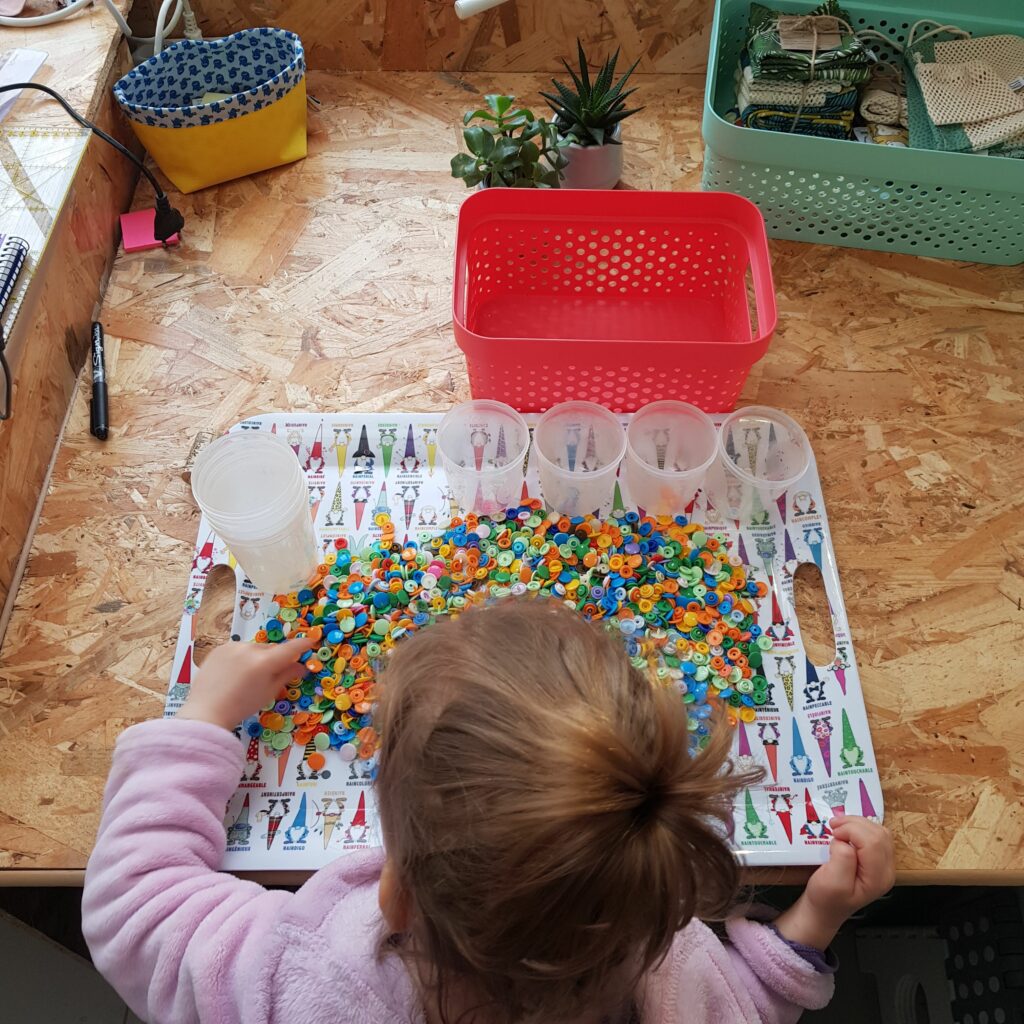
(327, 285)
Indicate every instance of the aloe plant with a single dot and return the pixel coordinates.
(511, 148)
(589, 113)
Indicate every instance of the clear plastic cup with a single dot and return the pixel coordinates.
(579, 446)
(669, 448)
(483, 447)
(253, 493)
(761, 454)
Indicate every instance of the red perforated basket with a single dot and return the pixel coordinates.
(619, 297)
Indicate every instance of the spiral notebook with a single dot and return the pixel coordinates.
(13, 253)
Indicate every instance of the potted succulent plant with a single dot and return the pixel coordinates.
(510, 148)
(589, 117)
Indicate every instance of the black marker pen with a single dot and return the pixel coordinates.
(98, 409)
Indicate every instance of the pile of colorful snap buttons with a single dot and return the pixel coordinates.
(685, 608)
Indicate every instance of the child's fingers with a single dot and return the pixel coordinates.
(859, 832)
(281, 661)
(842, 853)
(841, 819)
(289, 651)
(841, 867)
(865, 847)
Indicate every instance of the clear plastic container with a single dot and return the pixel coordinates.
(579, 446)
(253, 493)
(483, 447)
(762, 452)
(669, 449)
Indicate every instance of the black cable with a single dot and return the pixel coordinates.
(168, 221)
(6, 415)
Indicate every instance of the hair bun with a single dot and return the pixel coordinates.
(650, 803)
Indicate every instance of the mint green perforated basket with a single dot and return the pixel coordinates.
(951, 205)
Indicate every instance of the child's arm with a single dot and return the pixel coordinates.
(859, 870)
(178, 940)
(777, 963)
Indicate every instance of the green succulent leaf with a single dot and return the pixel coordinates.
(580, 88)
(507, 127)
(584, 73)
(499, 104)
(605, 75)
(504, 149)
(622, 114)
(479, 141)
(620, 100)
(530, 153)
(617, 88)
(565, 100)
(483, 115)
(462, 165)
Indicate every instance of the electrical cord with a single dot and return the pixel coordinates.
(77, 5)
(168, 221)
(8, 386)
(159, 31)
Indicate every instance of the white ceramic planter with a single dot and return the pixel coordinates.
(593, 166)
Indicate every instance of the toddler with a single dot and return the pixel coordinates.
(551, 851)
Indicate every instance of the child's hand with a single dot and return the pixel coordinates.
(859, 870)
(237, 679)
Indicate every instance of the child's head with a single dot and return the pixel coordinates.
(547, 830)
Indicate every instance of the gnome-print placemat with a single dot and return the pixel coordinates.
(298, 808)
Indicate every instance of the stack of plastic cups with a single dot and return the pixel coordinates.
(253, 493)
(579, 446)
(483, 447)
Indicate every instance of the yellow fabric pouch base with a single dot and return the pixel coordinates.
(207, 154)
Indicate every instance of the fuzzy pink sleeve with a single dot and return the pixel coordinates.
(179, 941)
(780, 982)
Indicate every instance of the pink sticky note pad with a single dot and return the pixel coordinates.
(137, 231)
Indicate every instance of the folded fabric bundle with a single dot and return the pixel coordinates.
(880, 106)
(831, 117)
(851, 61)
(827, 126)
(793, 96)
(934, 92)
(762, 91)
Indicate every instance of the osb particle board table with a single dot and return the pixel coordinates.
(327, 283)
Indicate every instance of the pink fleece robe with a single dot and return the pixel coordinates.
(183, 943)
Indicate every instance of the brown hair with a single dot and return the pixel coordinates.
(543, 813)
